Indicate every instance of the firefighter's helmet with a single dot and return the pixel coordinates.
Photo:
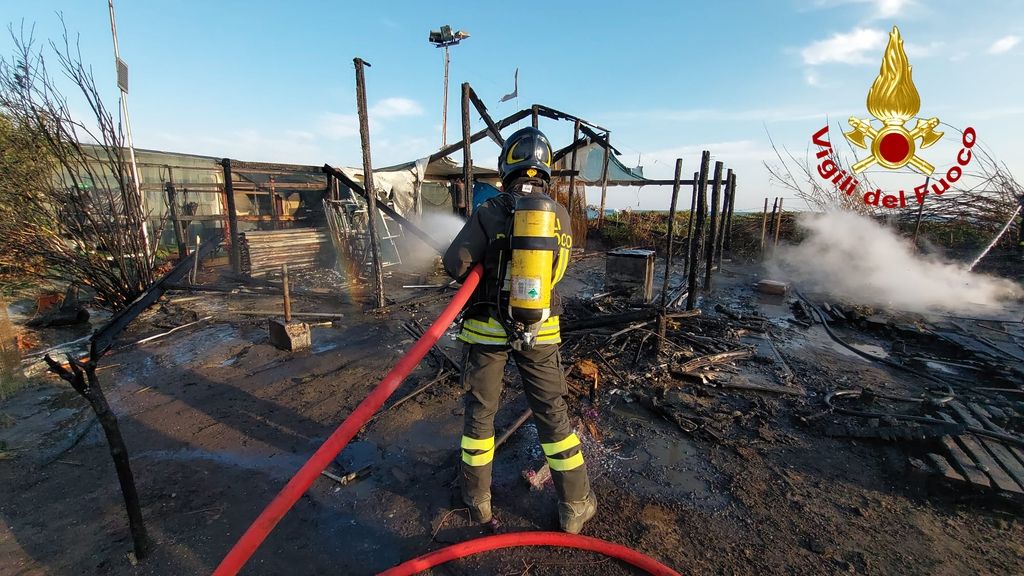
(525, 153)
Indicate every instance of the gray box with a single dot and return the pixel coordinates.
(633, 271)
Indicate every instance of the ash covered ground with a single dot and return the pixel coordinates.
(737, 467)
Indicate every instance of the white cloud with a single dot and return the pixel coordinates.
(881, 9)
(811, 78)
(847, 48)
(337, 126)
(890, 8)
(756, 115)
(395, 107)
(1003, 45)
(915, 51)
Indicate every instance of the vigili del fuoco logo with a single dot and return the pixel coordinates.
(892, 100)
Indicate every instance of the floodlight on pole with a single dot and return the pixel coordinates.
(444, 38)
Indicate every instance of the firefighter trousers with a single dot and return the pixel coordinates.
(544, 383)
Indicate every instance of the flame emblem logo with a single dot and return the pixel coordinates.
(893, 100)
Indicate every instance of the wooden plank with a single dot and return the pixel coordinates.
(1004, 468)
(944, 468)
(1011, 457)
(999, 476)
(965, 464)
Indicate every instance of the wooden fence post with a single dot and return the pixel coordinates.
(731, 182)
(716, 190)
(229, 198)
(668, 252)
(172, 203)
(371, 191)
(698, 227)
(604, 179)
(467, 158)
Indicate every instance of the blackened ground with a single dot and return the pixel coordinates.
(217, 420)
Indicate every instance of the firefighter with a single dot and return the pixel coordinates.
(491, 332)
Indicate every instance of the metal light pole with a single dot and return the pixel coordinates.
(443, 39)
(122, 84)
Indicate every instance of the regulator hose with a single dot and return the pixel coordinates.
(336, 442)
(559, 539)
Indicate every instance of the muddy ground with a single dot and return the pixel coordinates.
(217, 420)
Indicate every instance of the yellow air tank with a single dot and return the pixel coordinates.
(534, 246)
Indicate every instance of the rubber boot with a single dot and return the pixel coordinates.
(573, 515)
(479, 509)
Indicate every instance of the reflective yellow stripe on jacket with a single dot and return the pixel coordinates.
(492, 332)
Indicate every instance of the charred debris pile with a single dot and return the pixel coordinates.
(945, 391)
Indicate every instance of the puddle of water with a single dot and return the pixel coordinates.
(666, 453)
(279, 465)
(321, 347)
(358, 455)
(940, 367)
(872, 349)
(430, 435)
(185, 351)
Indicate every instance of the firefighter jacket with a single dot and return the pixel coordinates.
(485, 238)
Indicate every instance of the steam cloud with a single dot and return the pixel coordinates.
(443, 227)
(853, 257)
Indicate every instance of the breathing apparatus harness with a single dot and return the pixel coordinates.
(524, 255)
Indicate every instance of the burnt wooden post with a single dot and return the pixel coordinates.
(716, 190)
(82, 377)
(731, 183)
(329, 190)
(534, 116)
(668, 252)
(287, 294)
(275, 216)
(467, 158)
(764, 225)
(491, 126)
(778, 225)
(723, 221)
(771, 222)
(371, 191)
(229, 198)
(172, 204)
(572, 168)
(698, 227)
(604, 177)
(689, 222)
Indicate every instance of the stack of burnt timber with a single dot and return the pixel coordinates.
(264, 251)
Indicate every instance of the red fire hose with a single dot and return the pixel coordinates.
(463, 549)
(310, 471)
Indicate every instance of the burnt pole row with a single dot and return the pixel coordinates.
(371, 191)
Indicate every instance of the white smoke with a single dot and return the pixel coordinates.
(442, 227)
(853, 257)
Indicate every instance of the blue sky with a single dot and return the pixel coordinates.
(274, 81)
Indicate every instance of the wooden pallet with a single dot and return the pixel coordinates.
(979, 461)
